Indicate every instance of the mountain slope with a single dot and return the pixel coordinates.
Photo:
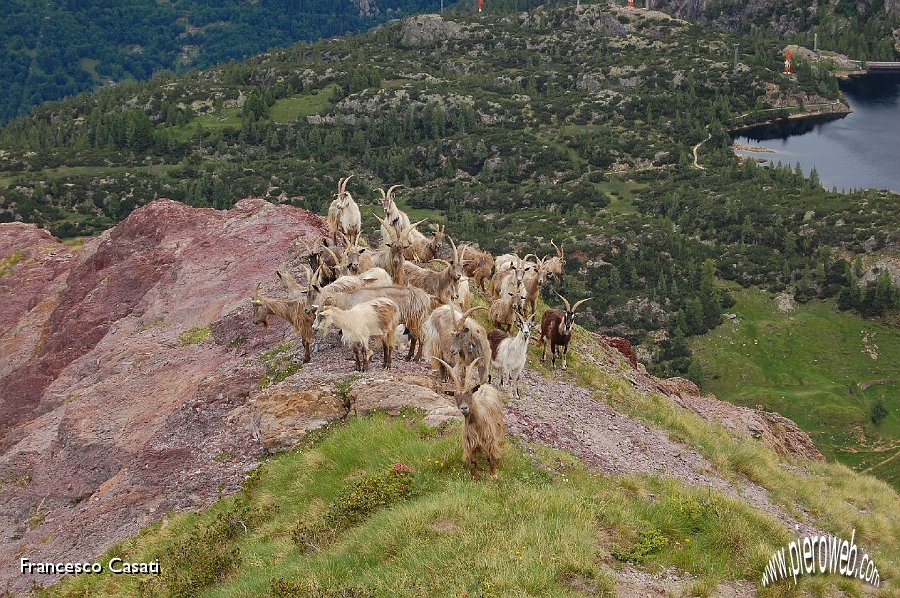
(181, 393)
(62, 47)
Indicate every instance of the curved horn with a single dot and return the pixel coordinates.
(344, 184)
(525, 259)
(309, 275)
(559, 251)
(568, 308)
(456, 258)
(340, 183)
(390, 227)
(407, 229)
(390, 191)
(574, 307)
(256, 292)
(451, 370)
(468, 375)
(337, 260)
(472, 310)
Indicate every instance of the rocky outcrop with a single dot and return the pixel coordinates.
(127, 369)
(424, 31)
(623, 346)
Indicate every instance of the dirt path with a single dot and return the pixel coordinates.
(697, 147)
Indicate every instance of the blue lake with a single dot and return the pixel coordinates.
(857, 151)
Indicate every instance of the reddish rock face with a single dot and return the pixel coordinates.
(623, 346)
(110, 415)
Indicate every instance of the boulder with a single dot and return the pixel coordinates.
(392, 396)
(284, 414)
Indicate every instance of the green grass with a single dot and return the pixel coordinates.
(809, 365)
(620, 195)
(90, 67)
(290, 109)
(8, 263)
(227, 118)
(540, 528)
(194, 336)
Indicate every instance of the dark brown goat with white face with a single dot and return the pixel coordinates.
(556, 330)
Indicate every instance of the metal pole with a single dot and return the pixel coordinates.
(736, 46)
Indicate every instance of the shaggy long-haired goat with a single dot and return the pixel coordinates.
(443, 284)
(343, 214)
(425, 249)
(391, 258)
(484, 428)
(414, 303)
(505, 310)
(533, 281)
(477, 265)
(509, 353)
(394, 217)
(555, 265)
(376, 277)
(377, 319)
(452, 336)
(292, 311)
(556, 330)
(512, 278)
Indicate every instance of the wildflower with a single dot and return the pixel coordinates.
(402, 468)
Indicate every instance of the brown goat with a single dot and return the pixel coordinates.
(505, 309)
(443, 284)
(291, 311)
(556, 330)
(451, 335)
(477, 265)
(484, 428)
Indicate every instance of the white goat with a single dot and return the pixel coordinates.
(377, 319)
(508, 353)
(343, 214)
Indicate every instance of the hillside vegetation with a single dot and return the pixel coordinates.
(52, 49)
(837, 375)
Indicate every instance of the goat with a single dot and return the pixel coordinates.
(484, 428)
(425, 250)
(505, 310)
(556, 330)
(464, 294)
(377, 319)
(510, 279)
(391, 258)
(292, 311)
(343, 214)
(394, 217)
(509, 260)
(477, 265)
(325, 261)
(451, 335)
(508, 353)
(414, 304)
(555, 265)
(533, 281)
(376, 277)
(443, 284)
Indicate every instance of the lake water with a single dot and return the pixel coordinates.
(860, 150)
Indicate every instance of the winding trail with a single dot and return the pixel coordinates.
(697, 147)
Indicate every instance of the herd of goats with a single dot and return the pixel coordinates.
(395, 292)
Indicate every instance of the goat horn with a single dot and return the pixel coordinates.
(344, 184)
(383, 194)
(456, 258)
(390, 192)
(564, 301)
(559, 251)
(390, 227)
(469, 370)
(256, 291)
(337, 260)
(408, 229)
(471, 310)
(525, 259)
(451, 370)
(574, 307)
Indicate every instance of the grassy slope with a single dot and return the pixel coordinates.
(809, 365)
(546, 526)
(537, 529)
